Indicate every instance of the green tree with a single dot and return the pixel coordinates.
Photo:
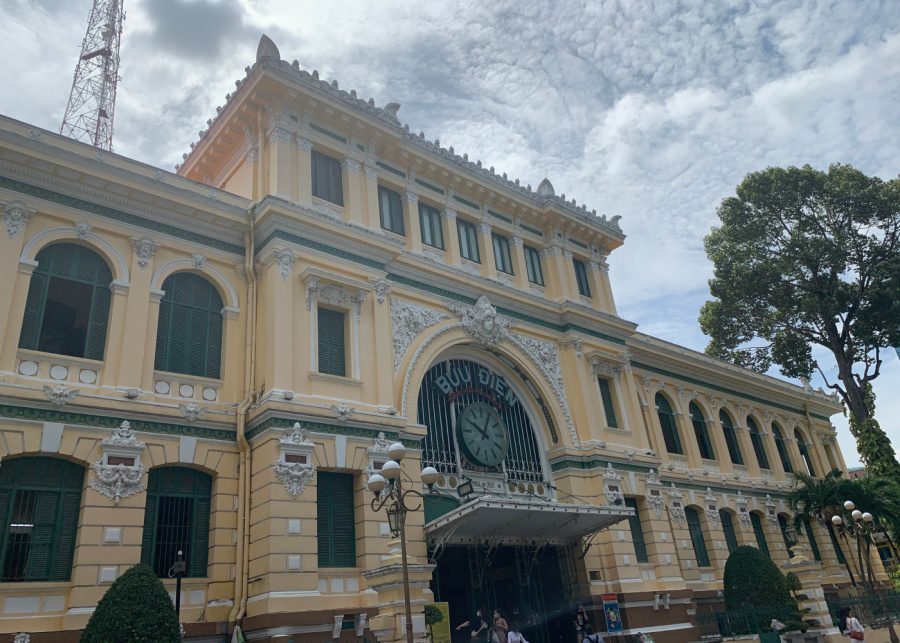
(803, 259)
(135, 609)
(752, 579)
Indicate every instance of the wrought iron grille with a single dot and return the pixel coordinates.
(471, 383)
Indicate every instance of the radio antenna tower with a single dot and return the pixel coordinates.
(92, 101)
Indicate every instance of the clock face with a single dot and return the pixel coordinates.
(482, 434)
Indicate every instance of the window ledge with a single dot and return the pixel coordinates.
(31, 586)
(327, 377)
(69, 360)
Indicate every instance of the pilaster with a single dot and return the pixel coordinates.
(132, 351)
(371, 211)
(488, 265)
(355, 203)
(413, 226)
(279, 143)
(518, 261)
(451, 237)
(557, 277)
(304, 170)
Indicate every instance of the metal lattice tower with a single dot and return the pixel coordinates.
(92, 101)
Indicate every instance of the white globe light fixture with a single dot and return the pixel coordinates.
(837, 521)
(429, 477)
(391, 470)
(868, 517)
(376, 483)
(849, 506)
(396, 451)
(857, 514)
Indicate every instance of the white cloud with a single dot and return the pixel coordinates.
(654, 111)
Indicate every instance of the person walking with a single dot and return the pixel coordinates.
(501, 627)
(515, 635)
(478, 626)
(581, 620)
(850, 625)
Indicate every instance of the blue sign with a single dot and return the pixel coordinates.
(612, 614)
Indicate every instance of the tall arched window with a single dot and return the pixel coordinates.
(697, 539)
(667, 423)
(731, 441)
(40, 499)
(701, 432)
(760, 533)
(781, 447)
(176, 518)
(67, 308)
(804, 452)
(727, 520)
(756, 441)
(189, 335)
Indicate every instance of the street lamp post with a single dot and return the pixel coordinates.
(179, 567)
(387, 487)
(861, 525)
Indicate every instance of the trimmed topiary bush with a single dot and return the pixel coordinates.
(135, 609)
(751, 578)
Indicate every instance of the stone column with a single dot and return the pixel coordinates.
(598, 277)
(280, 290)
(413, 226)
(686, 428)
(355, 204)
(371, 211)
(14, 288)
(557, 275)
(304, 171)
(133, 350)
(451, 237)
(567, 275)
(488, 265)
(518, 263)
(17, 292)
(118, 309)
(717, 436)
(281, 178)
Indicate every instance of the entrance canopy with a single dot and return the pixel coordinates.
(521, 522)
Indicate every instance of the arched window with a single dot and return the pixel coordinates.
(176, 518)
(804, 452)
(756, 440)
(701, 432)
(40, 499)
(813, 545)
(734, 448)
(782, 449)
(697, 539)
(783, 525)
(667, 422)
(67, 308)
(189, 335)
(760, 533)
(727, 520)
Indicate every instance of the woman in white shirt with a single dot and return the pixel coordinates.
(850, 625)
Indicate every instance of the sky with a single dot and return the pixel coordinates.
(654, 111)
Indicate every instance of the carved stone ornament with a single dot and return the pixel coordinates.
(285, 258)
(653, 477)
(60, 395)
(144, 249)
(336, 295)
(382, 290)
(22, 637)
(771, 512)
(117, 481)
(612, 486)
(191, 411)
(343, 411)
(407, 321)
(198, 261)
(294, 467)
(83, 230)
(379, 444)
(482, 322)
(14, 217)
(676, 508)
(711, 508)
(743, 513)
(655, 502)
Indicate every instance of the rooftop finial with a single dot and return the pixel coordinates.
(267, 49)
(546, 188)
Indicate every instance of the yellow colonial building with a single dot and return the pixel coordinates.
(215, 361)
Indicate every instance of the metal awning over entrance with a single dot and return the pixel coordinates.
(521, 522)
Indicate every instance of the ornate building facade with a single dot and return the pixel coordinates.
(214, 361)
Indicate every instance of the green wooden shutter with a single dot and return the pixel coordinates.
(637, 532)
(5, 506)
(696, 531)
(608, 406)
(40, 550)
(336, 520)
(760, 534)
(332, 357)
(68, 532)
(162, 334)
(701, 432)
(148, 539)
(200, 537)
(734, 449)
(214, 345)
(34, 310)
(728, 527)
(96, 331)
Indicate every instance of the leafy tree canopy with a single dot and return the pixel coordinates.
(808, 258)
(751, 578)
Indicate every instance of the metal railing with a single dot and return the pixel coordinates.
(875, 609)
(745, 621)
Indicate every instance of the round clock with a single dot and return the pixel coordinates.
(482, 434)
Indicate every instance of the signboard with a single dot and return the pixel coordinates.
(612, 614)
(439, 631)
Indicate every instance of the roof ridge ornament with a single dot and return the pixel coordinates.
(267, 49)
(545, 189)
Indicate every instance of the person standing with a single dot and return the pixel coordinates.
(850, 625)
(581, 620)
(501, 627)
(478, 626)
(515, 635)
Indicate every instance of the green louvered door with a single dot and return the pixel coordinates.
(332, 352)
(189, 333)
(336, 519)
